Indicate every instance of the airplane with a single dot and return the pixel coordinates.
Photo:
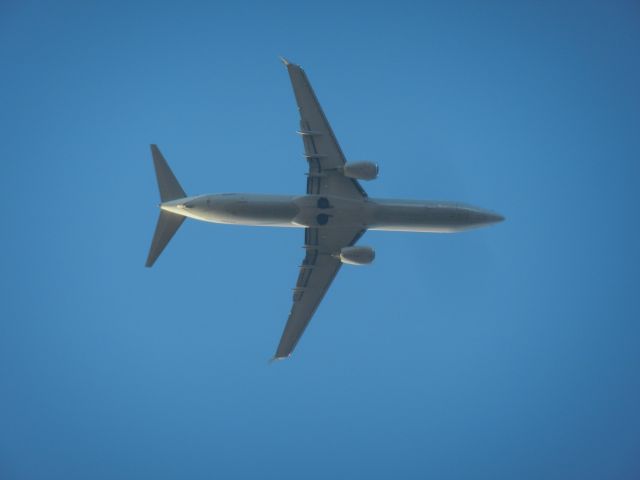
(335, 211)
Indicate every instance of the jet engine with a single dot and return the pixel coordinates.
(361, 170)
(357, 255)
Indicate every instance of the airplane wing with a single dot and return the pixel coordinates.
(317, 271)
(325, 177)
(320, 145)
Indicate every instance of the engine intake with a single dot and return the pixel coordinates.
(361, 170)
(357, 255)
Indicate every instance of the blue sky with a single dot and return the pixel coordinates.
(508, 352)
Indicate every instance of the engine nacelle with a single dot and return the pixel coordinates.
(361, 170)
(357, 255)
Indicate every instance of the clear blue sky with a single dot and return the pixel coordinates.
(509, 352)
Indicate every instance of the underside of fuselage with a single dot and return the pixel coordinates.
(332, 212)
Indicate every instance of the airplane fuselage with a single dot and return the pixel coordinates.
(332, 211)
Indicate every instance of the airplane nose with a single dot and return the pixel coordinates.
(485, 217)
(491, 217)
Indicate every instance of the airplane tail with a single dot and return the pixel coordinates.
(168, 223)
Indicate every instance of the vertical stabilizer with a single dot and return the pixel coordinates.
(168, 223)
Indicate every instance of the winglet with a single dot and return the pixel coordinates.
(275, 359)
(285, 61)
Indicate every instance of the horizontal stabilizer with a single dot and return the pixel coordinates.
(168, 224)
(168, 185)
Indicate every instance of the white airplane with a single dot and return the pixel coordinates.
(335, 212)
